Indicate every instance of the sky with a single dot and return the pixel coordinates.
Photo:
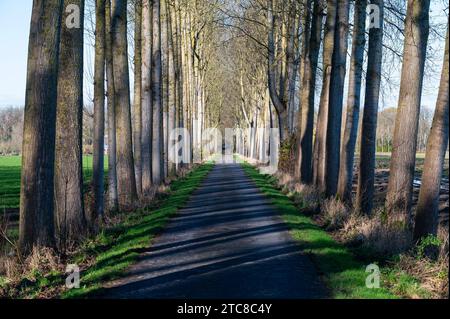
(15, 18)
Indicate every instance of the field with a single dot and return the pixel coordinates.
(10, 180)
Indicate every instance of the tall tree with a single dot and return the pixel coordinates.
(336, 96)
(311, 49)
(36, 188)
(427, 212)
(99, 111)
(69, 209)
(147, 112)
(158, 134)
(127, 192)
(322, 119)
(113, 198)
(399, 196)
(353, 102)
(276, 97)
(137, 94)
(366, 178)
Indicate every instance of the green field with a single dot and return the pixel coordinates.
(10, 179)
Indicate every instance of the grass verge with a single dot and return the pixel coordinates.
(107, 256)
(344, 275)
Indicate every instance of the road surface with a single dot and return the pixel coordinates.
(228, 242)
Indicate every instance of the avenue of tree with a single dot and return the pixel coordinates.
(249, 64)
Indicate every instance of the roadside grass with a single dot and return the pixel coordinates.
(108, 255)
(344, 275)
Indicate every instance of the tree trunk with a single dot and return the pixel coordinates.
(321, 129)
(113, 201)
(333, 135)
(137, 95)
(366, 178)
(36, 188)
(427, 213)
(399, 196)
(158, 133)
(125, 163)
(99, 113)
(147, 113)
(69, 209)
(277, 99)
(312, 39)
(353, 103)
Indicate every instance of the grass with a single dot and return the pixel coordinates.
(109, 255)
(344, 275)
(10, 168)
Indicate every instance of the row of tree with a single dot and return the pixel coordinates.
(170, 45)
(308, 39)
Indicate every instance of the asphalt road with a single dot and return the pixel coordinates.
(228, 242)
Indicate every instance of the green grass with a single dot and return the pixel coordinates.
(115, 249)
(343, 274)
(10, 168)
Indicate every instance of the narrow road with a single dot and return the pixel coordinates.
(228, 242)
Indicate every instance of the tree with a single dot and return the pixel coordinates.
(127, 191)
(113, 197)
(99, 111)
(353, 102)
(322, 118)
(399, 196)
(366, 178)
(427, 212)
(137, 141)
(277, 97)
(336, 96)
(36, 188)
(147, 112)
(69, 209)
(311, 50)
(158, 133)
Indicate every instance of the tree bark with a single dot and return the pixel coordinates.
(147, 112)
(137, 95)
(399, 196)
(312, 39)
(277, 98)
(366, 178)
(113, 198)
(321, 130)
(125, 164)
(353, 103)
(427, 213)
(36, 188)
(338, 71)
(158, 133)
(99, 113)
(69, 209)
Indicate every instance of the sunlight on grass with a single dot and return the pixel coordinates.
(343, 274)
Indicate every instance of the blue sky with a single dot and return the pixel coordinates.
(14, 28)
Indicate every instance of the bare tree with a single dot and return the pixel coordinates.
(336, 97)
(311, 48)
(69, 209)
(125, 164)
(158, 134)
(322, 120)
(353, 102)
(137, 141)
(36, 188)
(366, 179)
(113, 197)
(427, 213)
(399, 196)
(99, 112)
(147, 112)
